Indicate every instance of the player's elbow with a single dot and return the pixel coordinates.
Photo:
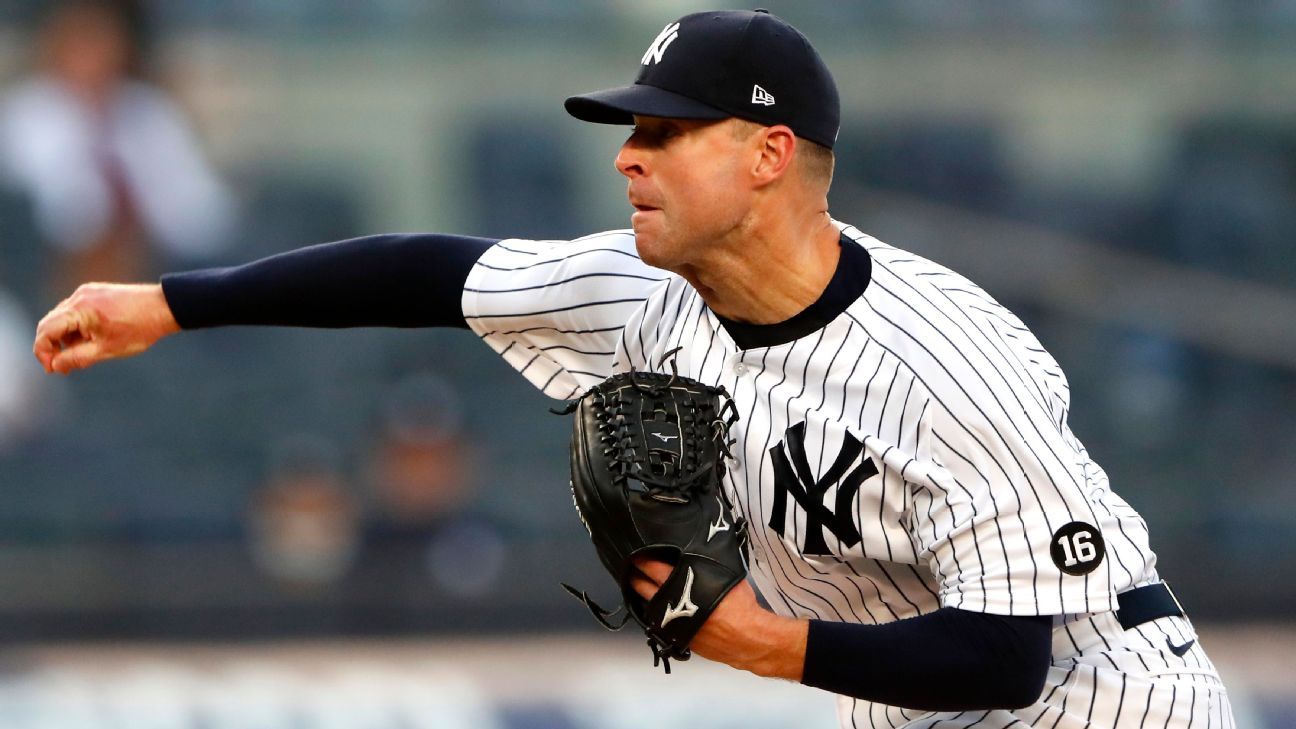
(1022, 686)
(1024, 661)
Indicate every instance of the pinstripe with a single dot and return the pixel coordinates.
(976, 542)
(549, 381)
(1147, 707)
(787, 411)
(529, 330)
(643, 352)
(550, 261)
(689, 314)
(882, 412)
(570, 348)
(1174, 700)
(515, 250)
(1192, 706)
(873, 710)
(528, 364)
(661, 318)
(1093, 696)
(553, 284)
(904, 482)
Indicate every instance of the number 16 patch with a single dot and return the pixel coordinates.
(1077, 548)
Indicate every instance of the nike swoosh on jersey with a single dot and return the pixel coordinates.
(1179, 650)
(685, 606)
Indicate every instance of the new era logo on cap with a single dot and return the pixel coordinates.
(761, 96)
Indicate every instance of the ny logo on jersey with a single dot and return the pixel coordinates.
(793, 476)
(659, 45)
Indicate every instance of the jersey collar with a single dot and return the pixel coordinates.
(854, 268)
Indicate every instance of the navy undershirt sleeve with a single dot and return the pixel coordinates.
(379, 280)
(947, 660)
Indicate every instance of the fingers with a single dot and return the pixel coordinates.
(645, 587)
(59, 329)
(45, 348)
(649, 576)
(76, 357)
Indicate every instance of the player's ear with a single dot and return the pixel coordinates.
(777, 147)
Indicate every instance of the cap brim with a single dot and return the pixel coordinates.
(620, 105)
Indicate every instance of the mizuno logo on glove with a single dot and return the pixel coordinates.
(685, 606)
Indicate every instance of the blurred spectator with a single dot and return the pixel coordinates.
(422, 526)
(419, 464)
(303, 524)
(108, 161)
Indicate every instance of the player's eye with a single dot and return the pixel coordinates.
(655, 135)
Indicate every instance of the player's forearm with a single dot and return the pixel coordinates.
(382, 280)
(773, 647)
(949, 660)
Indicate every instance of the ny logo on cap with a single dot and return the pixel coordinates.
(660, 44)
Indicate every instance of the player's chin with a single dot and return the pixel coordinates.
(655, 243)
(648, 239)
(651, 252)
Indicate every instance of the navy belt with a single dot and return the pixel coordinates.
(1147, 603)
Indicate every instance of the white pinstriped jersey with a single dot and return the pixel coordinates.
(911, 454)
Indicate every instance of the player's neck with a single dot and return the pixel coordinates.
(772, 272)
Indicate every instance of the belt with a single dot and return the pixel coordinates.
(1147, 603)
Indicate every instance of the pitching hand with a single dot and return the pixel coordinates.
(102, 321)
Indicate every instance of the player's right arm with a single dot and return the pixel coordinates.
(553, 309)
(382, 280)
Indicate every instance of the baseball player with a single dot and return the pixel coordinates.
(935, 544)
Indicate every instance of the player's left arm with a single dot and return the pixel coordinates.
(948, 660)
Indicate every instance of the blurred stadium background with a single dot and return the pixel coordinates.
(274, 528)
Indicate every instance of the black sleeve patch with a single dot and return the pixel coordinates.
(1077, 548)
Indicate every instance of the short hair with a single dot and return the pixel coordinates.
(814, 160)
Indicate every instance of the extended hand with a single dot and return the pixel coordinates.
(102, 321)
(739, 632)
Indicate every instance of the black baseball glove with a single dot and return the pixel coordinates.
(647, 461)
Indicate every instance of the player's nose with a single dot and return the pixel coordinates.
(630, 160)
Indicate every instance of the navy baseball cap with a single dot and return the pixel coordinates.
(722, 63)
